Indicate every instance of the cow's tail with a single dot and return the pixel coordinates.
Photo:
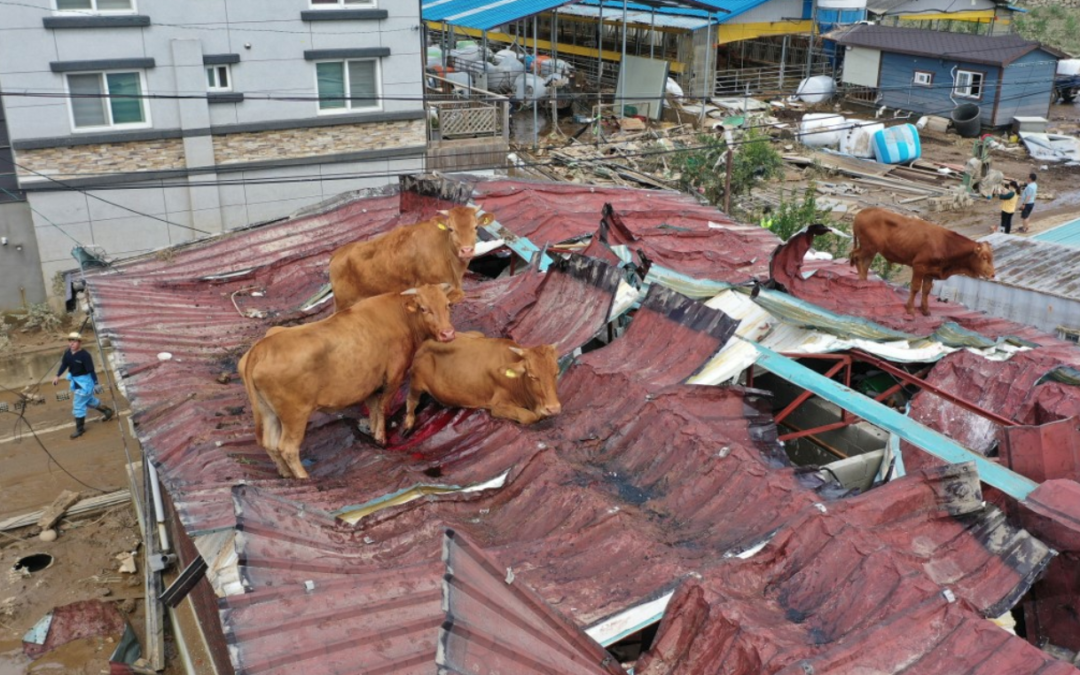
(853, 254)
(267, 422)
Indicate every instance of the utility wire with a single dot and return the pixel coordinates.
(102, 199)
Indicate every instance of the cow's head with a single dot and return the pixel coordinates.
(982, 261)
(460, 223)
(538, 371)
(432, 309)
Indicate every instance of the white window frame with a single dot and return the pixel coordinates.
(964, 91)
(922, 78)
(349, 105)
(144, 102)
(94, 9)
(216, 70)
(343, 4)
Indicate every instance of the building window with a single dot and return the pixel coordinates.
(328, 4)
(348, 85)
(923, 78)
(969, 84)
(98, 6)
(217, 79)
(107, 100)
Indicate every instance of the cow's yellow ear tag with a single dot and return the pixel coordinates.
(510, 373)
(441, 226)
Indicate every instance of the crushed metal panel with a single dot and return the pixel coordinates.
(1044, 452)
(810, 592)
(890, 420)
(496, 624)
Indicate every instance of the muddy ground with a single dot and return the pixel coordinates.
(38, 460)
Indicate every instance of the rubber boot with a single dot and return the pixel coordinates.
(106, 411)
(80, 427)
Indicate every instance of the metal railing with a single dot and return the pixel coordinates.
(455, 111)
(772, 80)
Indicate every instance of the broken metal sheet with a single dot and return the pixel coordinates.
(496, 624)
(1052, 147)
(934, 442)
(74, 621)
(352, 514)
(629, 621)
(792, 601)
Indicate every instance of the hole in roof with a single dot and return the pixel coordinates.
(630, 648)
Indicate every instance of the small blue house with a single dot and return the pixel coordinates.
(932, 72)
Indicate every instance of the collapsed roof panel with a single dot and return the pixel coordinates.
(640, 482)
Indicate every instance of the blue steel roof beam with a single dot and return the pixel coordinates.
(520, 245)
(1009, 482)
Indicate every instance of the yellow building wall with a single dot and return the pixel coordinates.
(733, 32)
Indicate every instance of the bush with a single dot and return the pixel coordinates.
(792, 215)
(42, 317)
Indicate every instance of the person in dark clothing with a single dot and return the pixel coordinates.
(80, 368)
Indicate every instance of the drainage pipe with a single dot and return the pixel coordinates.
(159, 508)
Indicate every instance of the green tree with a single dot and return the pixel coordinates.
(702, 169)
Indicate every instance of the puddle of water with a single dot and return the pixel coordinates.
(12, 659)
(79, 657)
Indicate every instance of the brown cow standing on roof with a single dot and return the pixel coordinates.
(337, 362)
(430, 252)
(513, 382)
(932, 251)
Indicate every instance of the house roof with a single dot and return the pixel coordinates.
(1000, 50)
(641, 486)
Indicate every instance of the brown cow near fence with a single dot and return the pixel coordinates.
(513, 382)
(430, 252)
(337, 362)
(933, 252)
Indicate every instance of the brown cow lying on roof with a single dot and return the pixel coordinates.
(337, 362)
(430, 252)
(513, 382)
(932, 251)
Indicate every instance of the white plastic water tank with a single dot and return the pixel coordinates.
(1068, 67)
(858, 139)
(818, 130)
(816, 89)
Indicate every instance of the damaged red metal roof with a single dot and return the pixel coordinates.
(640, 483)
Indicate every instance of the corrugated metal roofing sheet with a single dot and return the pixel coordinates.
(489, 14)
(485, 14)
(640, 482)
(659, 19)
(1066, 235)
(998, 50)
(1036, 264)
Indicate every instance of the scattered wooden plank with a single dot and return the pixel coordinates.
(85, 506)
(57, 509)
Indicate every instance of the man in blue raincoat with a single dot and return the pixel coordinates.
(80, 368)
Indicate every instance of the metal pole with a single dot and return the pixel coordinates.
(652, 34)
(622, 62)
(535, 97)
(727, 181)
(783, 62)
(600, 54)
(709, 48)
(813, 31)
